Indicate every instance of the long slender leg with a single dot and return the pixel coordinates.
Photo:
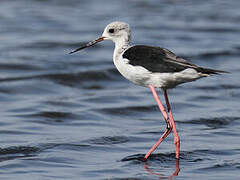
(168, 128)
(176, 137)
(161, 107)
(165, 134)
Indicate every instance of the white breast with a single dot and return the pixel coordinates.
(136, 74)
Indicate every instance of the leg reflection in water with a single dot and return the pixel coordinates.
(175, 173)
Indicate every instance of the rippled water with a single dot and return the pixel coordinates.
(74, 117)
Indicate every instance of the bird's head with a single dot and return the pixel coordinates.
(118, 32)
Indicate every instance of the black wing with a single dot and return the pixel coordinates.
(156, 59)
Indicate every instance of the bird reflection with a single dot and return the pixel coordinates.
(175, 173)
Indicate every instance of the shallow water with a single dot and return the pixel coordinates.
(74, 117)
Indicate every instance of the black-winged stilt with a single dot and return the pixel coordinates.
(152, 67)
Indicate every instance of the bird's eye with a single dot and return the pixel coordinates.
(111, 30)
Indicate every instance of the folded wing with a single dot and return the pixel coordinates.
(157, 59)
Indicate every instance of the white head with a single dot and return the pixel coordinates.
(118, 32)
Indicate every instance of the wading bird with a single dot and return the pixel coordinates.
(152, 67)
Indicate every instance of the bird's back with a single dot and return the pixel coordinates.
(161, 60)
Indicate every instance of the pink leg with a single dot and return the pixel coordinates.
(161, 107)
(168, 128)
(165, 134)
(176, 137)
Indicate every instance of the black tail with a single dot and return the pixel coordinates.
(210, 71)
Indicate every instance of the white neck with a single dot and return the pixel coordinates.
(121, 41)
(120, 45)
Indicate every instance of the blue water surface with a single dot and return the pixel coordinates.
(75, 117)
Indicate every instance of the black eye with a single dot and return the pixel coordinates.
(111, 30)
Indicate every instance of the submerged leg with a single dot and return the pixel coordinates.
(176, 137)
(168, 128)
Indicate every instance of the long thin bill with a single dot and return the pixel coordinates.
(88, 44)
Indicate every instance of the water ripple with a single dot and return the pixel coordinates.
(108, 140)
(213, 123)
(16, 152)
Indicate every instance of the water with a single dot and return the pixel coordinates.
(74, 117)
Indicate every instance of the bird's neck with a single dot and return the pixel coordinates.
(119, 43)
(120, 46)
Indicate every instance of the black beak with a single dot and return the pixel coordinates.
(88, 44)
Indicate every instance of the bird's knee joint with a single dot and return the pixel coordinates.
(169, 127)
